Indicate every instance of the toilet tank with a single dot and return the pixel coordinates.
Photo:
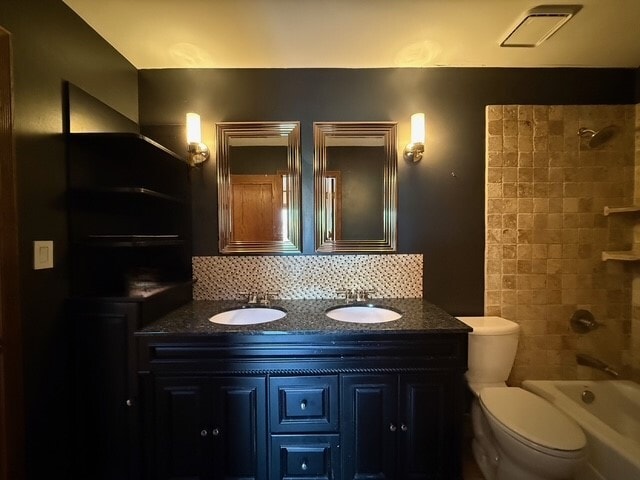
(492, 348)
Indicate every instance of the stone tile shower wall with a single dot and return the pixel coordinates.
(545, 231)
(633, 355)
(307, 276)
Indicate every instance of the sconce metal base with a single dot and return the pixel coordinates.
(413, 152)
(198, 153)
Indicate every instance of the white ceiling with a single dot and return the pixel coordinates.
(357, 33)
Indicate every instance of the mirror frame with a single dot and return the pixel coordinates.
(225, 132)
(387, 131)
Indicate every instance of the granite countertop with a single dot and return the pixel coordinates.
(305, 316)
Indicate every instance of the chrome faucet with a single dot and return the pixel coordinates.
(589, 361)
(348, 294)
(254, 297)
(251, 297)
(356, 294)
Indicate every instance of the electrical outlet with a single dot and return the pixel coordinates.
(42, 254)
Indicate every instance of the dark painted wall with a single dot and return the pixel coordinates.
(440, 216)
(50, 45)
(256, 160)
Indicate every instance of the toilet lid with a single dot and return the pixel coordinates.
(533, 418)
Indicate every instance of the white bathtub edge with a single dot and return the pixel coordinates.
(611, 454)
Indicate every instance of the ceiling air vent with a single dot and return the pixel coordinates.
(538, 24)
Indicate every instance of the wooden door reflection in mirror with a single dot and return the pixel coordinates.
(258, 187)
(355, 186)
(256, 203)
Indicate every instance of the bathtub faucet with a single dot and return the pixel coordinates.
(589, 361)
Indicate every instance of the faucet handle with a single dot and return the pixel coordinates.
(363, 294)
(268, 296)
(366, 293)
(583, 321)
(250, 297)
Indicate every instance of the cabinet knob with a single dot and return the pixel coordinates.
(392, 427)
(129, 402)
(203, 433)
(404, 428)
(304, 465)
(215, 432)
(303, 405)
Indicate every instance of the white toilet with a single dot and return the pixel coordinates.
(517, 435)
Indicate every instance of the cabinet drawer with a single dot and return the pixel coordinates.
(301, 457)
(304, 404)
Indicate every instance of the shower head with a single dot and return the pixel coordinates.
(599, 137)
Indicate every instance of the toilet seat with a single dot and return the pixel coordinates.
(533, 421)
(476, 388)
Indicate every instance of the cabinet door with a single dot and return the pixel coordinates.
(368, 426)
(239, 428)
(425, 417)
(105, 411)
(210, 428)
(182, 428)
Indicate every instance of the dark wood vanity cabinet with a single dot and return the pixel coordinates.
(396, 426)
(209, 427)
(295, 407)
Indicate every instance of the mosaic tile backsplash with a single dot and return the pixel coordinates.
(307, 276)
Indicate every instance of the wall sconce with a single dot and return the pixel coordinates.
(198, 151)
(414, 150)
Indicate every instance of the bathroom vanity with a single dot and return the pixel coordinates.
(304, 396)
(163, 393)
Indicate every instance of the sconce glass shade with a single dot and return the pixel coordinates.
(414, 150)
(417, 128)
(194, 131)
(198, 151)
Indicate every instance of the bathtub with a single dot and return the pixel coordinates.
(611, 422)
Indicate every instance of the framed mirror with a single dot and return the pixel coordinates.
(355, 177)
(258, 187)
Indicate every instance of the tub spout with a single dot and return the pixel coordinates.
(611, 372)
(589, 361)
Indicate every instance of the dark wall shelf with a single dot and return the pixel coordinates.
(126, 140)
(128, 197)
(116, 161)
(134, 191)
(132, 241)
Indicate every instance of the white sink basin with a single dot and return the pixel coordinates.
(248, 316)
(363, 314)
